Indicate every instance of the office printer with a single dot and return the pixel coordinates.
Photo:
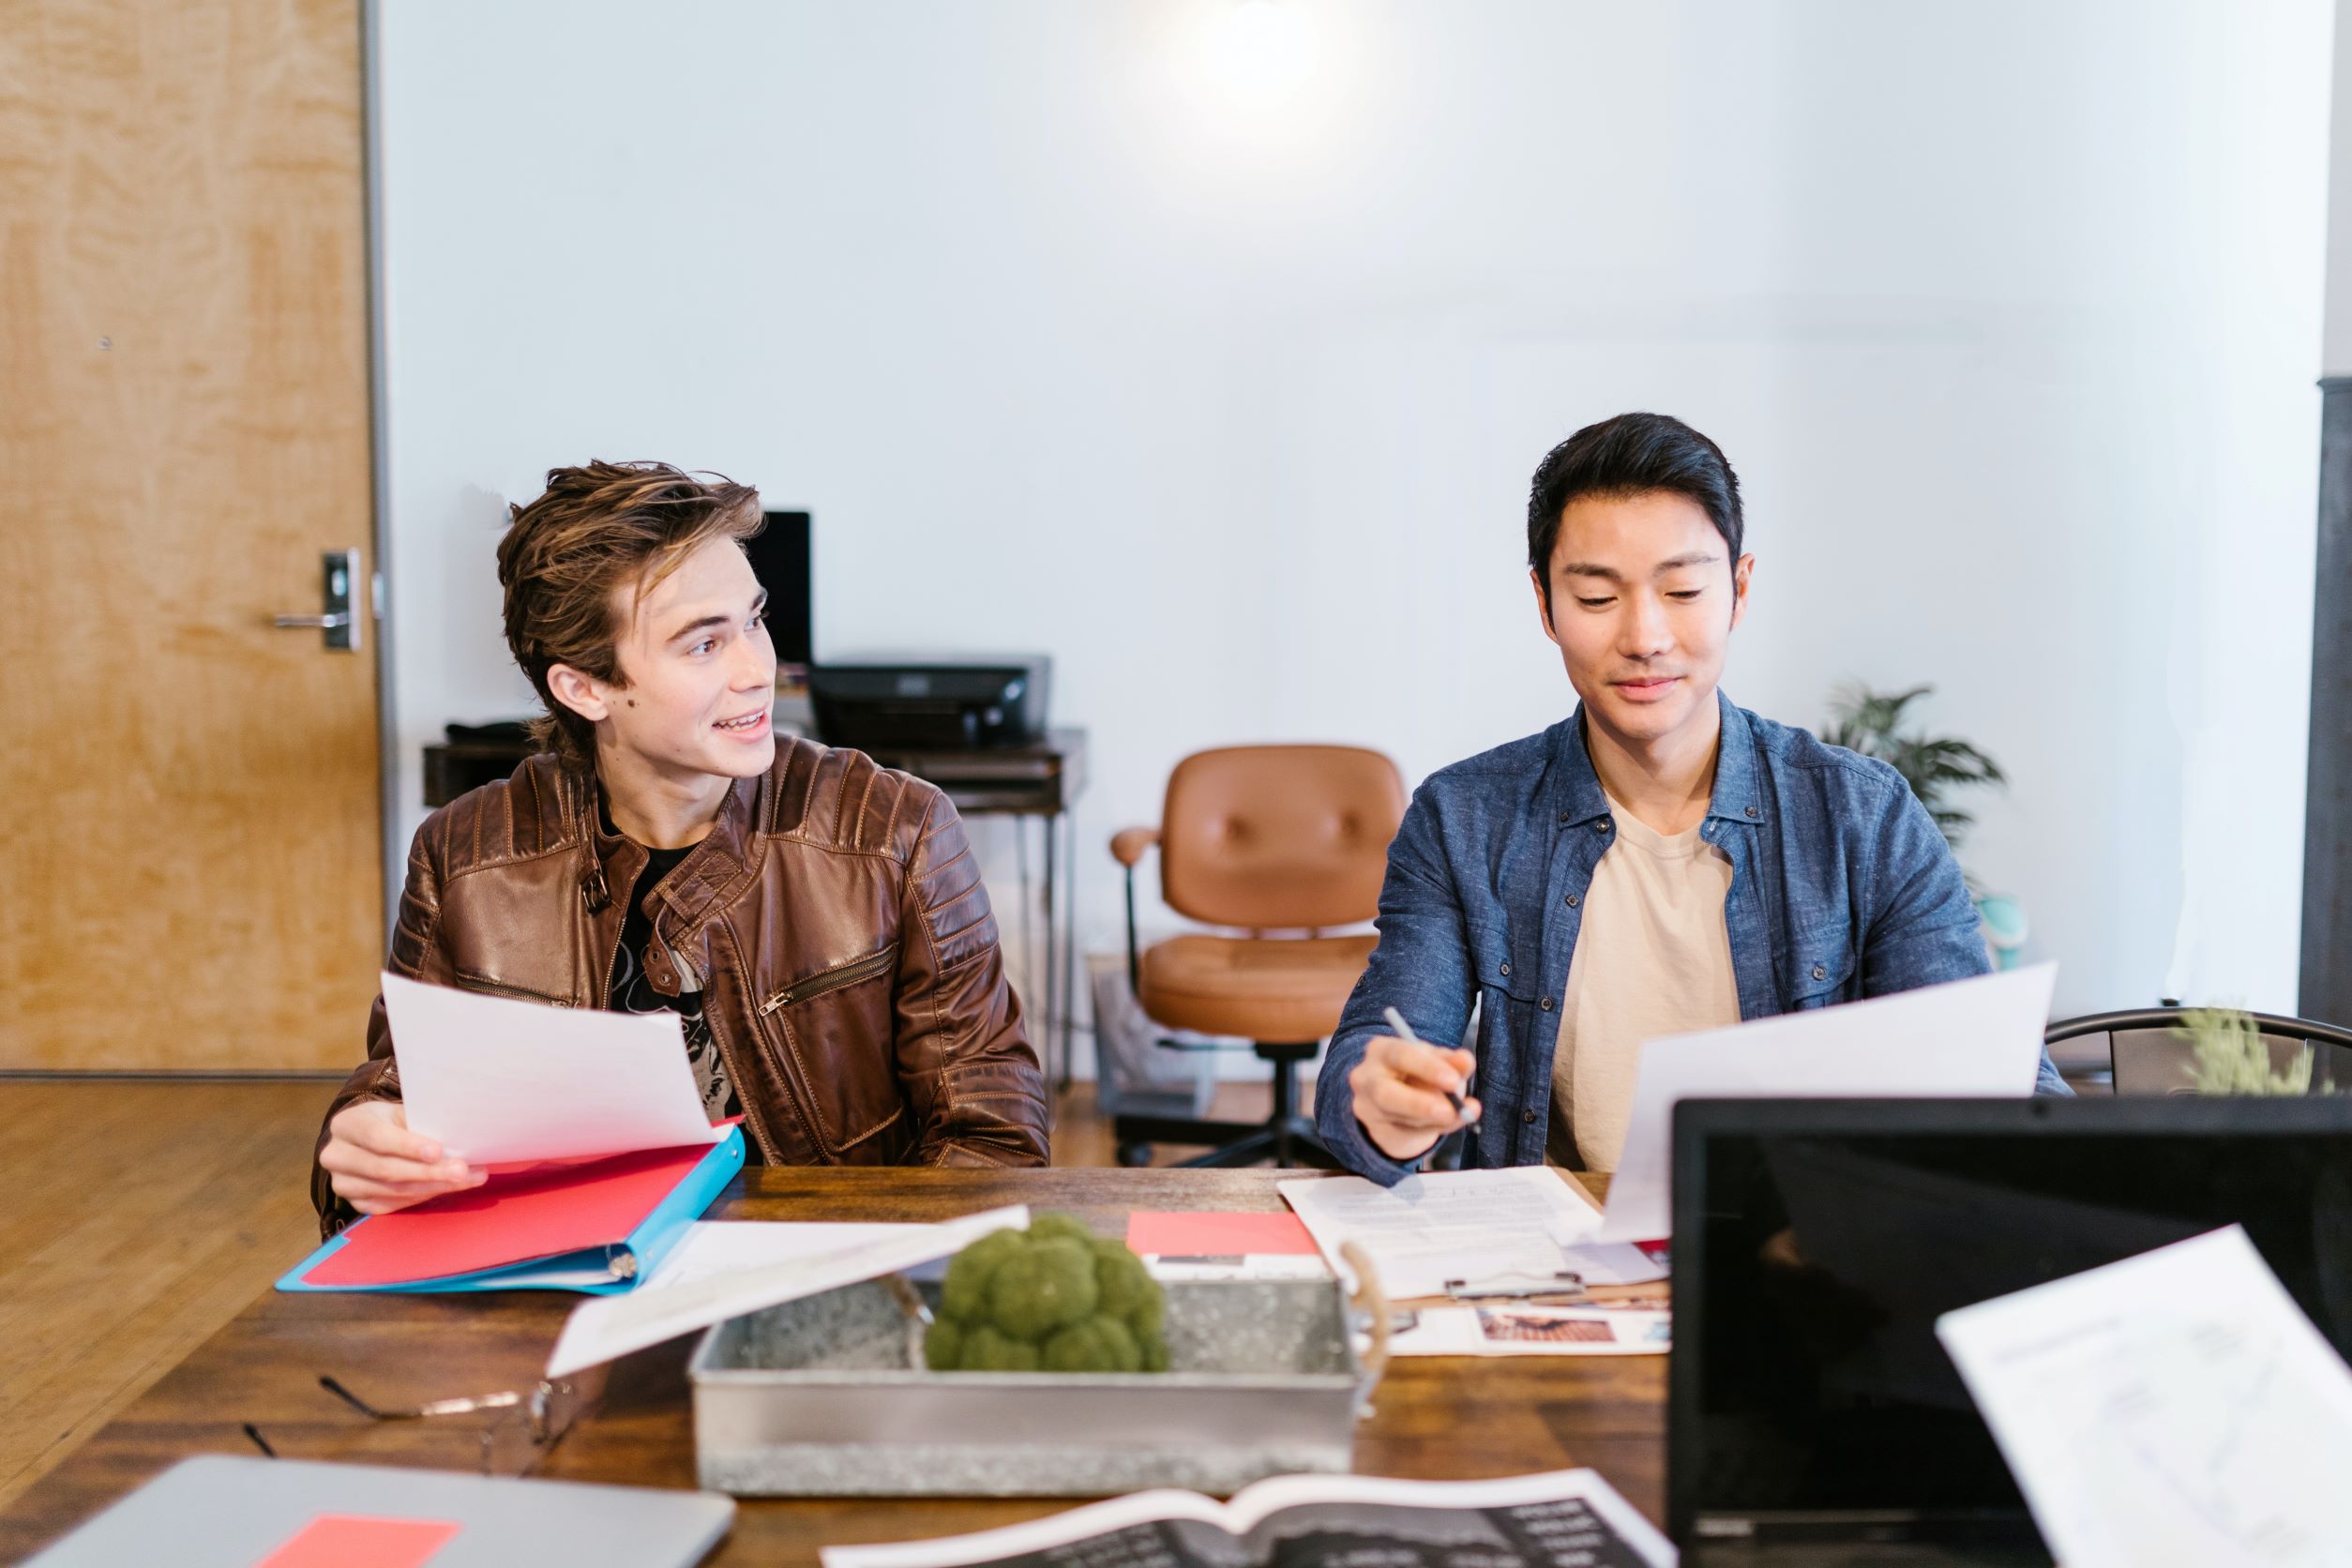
(950, 702)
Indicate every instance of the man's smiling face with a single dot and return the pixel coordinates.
(1642, 599)
(701, 671)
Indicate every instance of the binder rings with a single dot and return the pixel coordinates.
(594, 1225)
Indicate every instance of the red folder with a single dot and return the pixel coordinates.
(542, 1213)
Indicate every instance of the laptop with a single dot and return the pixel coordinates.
(223, 1510)
(1812, 1416)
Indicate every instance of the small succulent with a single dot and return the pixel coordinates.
(1053, 1297)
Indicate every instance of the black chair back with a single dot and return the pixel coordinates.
(2147, 1051)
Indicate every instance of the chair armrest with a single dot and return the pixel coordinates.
(1128, 844)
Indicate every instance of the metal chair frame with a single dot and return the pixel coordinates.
(2136, 1020)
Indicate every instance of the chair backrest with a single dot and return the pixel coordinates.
(1280, 837)
(2149, 1052)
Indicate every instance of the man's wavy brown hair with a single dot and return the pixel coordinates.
(598, 529)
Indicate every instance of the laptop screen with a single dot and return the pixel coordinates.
(1816, 1242)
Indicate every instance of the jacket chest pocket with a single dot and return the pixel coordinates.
(1501, 973)
(836, 1031)
(1818, 972)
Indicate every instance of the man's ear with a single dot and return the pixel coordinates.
(1741, 570)
(586, 696)
(1543, 606)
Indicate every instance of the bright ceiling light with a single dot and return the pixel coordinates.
(1261, 53)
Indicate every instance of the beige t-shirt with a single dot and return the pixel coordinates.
(1653, 957)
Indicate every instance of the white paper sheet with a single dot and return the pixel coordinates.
(1514, 1329)
(499, 1081)
(1614, 1263)
(714, 1247)
(712, 1288)
(2177, 1406)
(1483, 1227)
(1979, 1038)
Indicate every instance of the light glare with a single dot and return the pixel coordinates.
(1261, 53)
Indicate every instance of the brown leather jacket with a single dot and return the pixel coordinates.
(834, 921)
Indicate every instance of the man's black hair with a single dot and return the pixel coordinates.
(1629, 455)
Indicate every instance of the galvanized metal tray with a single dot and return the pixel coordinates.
(827, 1397)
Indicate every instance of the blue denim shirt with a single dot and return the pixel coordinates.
(1841, 887)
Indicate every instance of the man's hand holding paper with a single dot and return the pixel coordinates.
(490, 1083)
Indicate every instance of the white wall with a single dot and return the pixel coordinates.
(2337, 359)
(2008, 315)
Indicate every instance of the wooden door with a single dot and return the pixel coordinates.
(190, 870)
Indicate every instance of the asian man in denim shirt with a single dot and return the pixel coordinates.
(1658, 862)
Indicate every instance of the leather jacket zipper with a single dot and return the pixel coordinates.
(494, 988)
(832, 979)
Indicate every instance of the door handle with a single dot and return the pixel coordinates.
(337, 622)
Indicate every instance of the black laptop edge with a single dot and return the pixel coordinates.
(1695, 1121)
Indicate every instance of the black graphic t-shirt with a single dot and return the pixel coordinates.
(633, 993)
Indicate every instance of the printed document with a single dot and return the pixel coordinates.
(502, 1082)
(1520, 1329)
(1508, 1227)
(2177, 1406)
(1969, 1039)
(733, 1273)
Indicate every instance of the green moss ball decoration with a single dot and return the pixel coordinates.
(1055, 1296)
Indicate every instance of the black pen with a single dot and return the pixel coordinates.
(1405, 1032)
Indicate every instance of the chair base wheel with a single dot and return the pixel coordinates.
(1134, 1155)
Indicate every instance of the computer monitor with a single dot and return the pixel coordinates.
(1816, 1241)
(779, 558)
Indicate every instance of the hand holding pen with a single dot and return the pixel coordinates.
(1410, 1093)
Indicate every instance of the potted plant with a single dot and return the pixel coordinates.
(2231, 1057)
(1880, 724)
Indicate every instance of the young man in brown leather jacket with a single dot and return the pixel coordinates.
(817, 920)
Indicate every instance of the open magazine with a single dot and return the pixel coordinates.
(1563, 1519)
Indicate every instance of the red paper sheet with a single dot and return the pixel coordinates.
(360, 1541)
(510, 1219)
(1169, 1234)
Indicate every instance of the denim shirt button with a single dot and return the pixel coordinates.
(1506, 968)
(1819, 972)
(1528, 1117)
(1601, 826)
(1571, 900)
(1547, 1004)
(1752, 811)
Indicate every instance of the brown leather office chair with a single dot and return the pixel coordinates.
(1262, 839)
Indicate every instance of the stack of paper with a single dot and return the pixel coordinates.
(1466, 1229)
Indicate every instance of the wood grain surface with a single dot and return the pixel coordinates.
(191, 846)
(1449, 1419)
(139, 1218)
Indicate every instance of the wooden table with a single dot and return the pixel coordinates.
(1440, 1419)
